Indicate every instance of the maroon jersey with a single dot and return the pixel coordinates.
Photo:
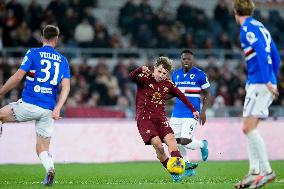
(151, 95)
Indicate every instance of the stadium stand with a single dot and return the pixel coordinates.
(105, 40)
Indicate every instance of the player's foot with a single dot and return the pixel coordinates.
(48, 181)
(247, 181)
(176, 178)
(204, 150)
(190, 165)
(263, 180)
(188, 173)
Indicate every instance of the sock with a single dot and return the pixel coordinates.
(253, 157)
(183, 152)
(165, 162)
(175, 154)
(195, 144)
(260, 150)
(46, 160)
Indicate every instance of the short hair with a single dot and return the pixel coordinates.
(165, 62)
(187, 51)
(50, 31)
(243, 7)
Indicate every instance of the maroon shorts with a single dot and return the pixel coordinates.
(150, 128)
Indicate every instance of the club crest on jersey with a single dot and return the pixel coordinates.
(157, 98)
(250, 36)
(192, 76)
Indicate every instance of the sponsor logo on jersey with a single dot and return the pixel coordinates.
(44, 90)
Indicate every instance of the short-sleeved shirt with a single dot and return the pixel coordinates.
(190, 84)
(45, 69)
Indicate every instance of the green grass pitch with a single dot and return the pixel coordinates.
(134, 175)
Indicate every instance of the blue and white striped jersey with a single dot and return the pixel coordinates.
(45, 69)
(190, 84)
(260, 52)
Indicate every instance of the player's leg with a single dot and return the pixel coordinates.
(42, 149)
(249, 129)
(176, 125)
(160, 151)
(171, 142)
(6, 115)
(188, 141)
(256, 106)
(260, 110)
(44, 129)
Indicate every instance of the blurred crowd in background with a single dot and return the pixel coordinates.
(145, 27)
(164, 27)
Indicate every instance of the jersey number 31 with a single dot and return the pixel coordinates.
(47, 72)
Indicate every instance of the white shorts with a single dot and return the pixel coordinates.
(29, 112)
(258, 99)
(183, 127)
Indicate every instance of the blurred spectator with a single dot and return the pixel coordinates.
(67, 24)
(222, 14)
(58, 8)
(84, 33)
(126, 15)
(34, 15)
(17, 9)
(25, 37)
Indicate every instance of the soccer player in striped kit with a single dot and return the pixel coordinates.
(45, 70)
(263, 62)
(192, 82)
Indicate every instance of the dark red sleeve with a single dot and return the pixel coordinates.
(177, 93)
(134, 75)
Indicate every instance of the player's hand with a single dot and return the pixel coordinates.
(196, 115)
(272, 89)
(56, 114)
(146, 70)
(202, 118)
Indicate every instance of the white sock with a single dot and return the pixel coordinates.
(253, 157)
(183, 152)
(260, 150)
(46, 160)
(195, 144)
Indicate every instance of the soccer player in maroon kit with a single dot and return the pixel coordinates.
(152, 123)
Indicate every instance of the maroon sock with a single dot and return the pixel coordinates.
(176, 154)
(165, 162)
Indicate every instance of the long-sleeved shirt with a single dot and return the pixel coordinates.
(260, 52)
(151, 95)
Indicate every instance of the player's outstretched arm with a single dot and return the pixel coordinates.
(205, 102)
(12, 82)
(65, 83)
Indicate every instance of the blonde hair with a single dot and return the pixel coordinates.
(243, 7)
(165, 62)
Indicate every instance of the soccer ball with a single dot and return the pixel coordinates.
(176, 165)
